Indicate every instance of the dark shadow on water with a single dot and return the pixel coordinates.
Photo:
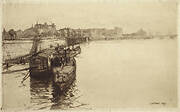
(66, 99)
(45, 95)
(40, 92)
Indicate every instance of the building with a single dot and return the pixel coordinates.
(103, 33)
(140, 32)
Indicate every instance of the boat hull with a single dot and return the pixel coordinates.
(41, 74)
(64, 77)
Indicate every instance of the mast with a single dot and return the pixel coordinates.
(35, 45)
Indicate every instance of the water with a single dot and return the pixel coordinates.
(110, 74)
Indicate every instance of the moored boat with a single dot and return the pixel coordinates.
(43, 63)
(39, 64)
(65, 75)
(57, 62)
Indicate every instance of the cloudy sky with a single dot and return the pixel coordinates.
(152, 16)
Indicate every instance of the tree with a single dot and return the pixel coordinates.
(12, 34)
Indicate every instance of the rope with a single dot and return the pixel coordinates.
(25, 77)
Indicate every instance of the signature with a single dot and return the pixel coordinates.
(158, 103)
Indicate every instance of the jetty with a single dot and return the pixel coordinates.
(34, 51)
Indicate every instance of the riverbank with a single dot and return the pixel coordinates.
(12, 49)
(19, 41)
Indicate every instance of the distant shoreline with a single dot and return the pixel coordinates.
(16, 41)
(30, 40)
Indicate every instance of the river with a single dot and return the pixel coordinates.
(110, 74)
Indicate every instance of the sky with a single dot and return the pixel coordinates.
(151, 16)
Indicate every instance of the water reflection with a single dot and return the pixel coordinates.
(45, 95)
(41, 93)
(65, 100)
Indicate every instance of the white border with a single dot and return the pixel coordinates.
(98, 1)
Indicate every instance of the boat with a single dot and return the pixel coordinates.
(56, 62)
(43, 63)
(65, 76)
(39, 67)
